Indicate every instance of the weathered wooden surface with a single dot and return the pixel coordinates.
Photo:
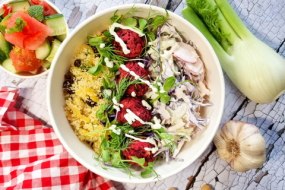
(266, 19)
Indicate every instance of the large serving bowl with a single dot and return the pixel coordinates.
(82, 152)
(29, 76)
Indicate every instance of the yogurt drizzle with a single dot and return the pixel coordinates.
(118, 39)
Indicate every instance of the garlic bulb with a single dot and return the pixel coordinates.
(241, 145)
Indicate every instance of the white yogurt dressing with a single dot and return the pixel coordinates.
(145, 104)
(118, 39)
(109, 63)
(102, 45)
(141, 64)
(137, 77)
(132, 117)
(148, 139)
(117, 106)
(133, 94)
(115, 129)
(153, 150)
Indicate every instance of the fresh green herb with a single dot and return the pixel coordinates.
(139, 161)
(142, 23)
(148, 171)
(108, 82)
(131, 22)
(102, 112)
(36, 11)
(106, 52)
(96, 69)
(164, 98)
(169, 83)
(122, 86)
(18, 27)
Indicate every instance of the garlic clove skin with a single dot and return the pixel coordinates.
(241, 145)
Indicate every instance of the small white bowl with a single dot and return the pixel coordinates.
(83, 153)
(42, 73)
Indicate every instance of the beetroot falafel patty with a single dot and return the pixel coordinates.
(138, 89)
(138, 149)
(133, 41)
(135, 106)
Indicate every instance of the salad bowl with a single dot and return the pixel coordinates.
(28, 51)
(190, 152)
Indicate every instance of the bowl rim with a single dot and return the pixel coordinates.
(49, 92)
(46, 71)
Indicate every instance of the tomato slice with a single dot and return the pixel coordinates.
(24, 60)
(32, 35)
(7, 9)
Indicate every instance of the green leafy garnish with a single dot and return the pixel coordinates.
(18, 27)
(106, 52)
(36, 11)
(169, 83)
(122, 87)
(142, 23)
(132, 22)
(96, 69)
(164, 98)
(148, 171)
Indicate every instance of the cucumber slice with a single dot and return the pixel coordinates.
(8, 65)
(43, 51)
(54, 47)
(21, 5)
(4, 47)
(46, 65)
(61, 37)
(57, 23)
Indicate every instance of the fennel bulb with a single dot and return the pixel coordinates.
(255, 68)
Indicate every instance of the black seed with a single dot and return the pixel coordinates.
(67, 84)
(94, 49)
(77, 63)
(90, 102)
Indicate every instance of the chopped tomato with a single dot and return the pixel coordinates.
(24, 60)
(7, 9)
(48, 10)
(32, 35)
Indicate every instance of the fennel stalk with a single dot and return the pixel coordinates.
(255, 68)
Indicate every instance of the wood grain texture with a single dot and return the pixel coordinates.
(266, 19)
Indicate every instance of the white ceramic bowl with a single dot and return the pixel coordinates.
(82, 152)
(39, 74)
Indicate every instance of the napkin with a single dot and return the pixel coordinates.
(31, 156)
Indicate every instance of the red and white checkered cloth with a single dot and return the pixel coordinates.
(31, 156)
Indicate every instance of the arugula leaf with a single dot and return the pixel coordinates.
(96, 69)
(95, 41)
(139, 161)
(142, 24)
(116, 160)
(101, 112)
(164, 98)
(132, 22)
(169, 83)
(148, 171)
(106, 155)
(18, 27)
